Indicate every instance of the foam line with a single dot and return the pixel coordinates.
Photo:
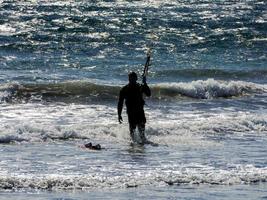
(179, 175)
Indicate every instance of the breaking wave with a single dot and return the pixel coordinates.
(179, 175)
(101, 124)
(81, 91)
(208, 89)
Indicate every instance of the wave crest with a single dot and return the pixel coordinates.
(81, 91)
(208, 89)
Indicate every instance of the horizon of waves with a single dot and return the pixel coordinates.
(85, 92)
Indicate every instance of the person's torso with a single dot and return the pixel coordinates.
(133, 97)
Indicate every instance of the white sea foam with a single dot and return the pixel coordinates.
(68, 122)
(168, 175)
(7, 91)
(6, 29)
(98, 35)
(211, 88)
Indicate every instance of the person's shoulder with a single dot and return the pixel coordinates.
(130, 87)
(124, 88)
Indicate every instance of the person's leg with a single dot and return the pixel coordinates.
(141, 130)
(132, 128)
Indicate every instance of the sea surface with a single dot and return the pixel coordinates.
(62, 64)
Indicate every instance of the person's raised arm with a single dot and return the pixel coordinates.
(145, 89)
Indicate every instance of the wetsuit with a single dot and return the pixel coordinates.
(133, 96)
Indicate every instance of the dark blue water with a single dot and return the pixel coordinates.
(74, 40)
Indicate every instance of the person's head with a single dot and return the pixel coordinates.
(132, 77)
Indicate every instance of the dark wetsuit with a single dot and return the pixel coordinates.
(133, 95)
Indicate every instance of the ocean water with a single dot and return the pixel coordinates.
(62, 64)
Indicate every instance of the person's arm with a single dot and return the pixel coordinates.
(145, 89)
(120, 106)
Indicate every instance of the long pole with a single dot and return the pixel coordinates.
(145, 71)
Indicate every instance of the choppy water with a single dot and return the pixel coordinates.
(62, 64)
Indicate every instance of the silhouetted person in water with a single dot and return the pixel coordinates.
(132, 93)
